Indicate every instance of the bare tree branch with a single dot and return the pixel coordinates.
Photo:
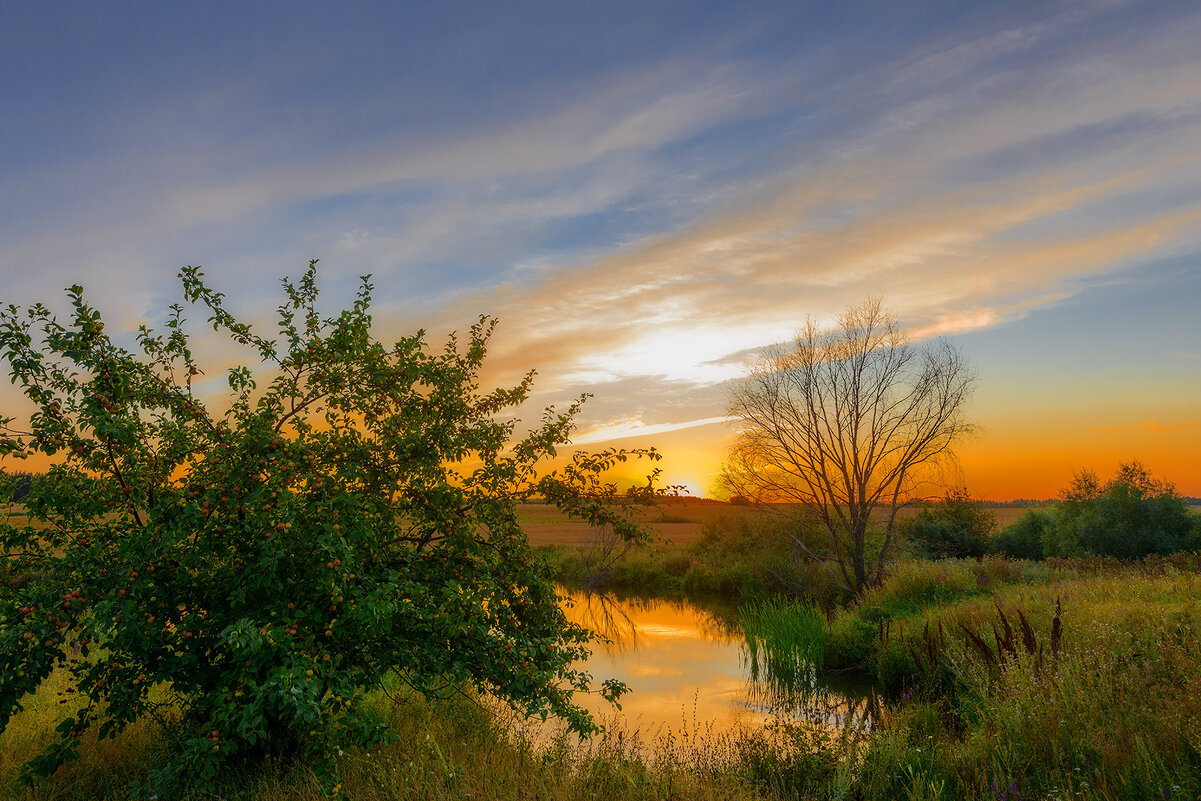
(841, 422)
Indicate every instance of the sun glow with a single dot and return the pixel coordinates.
(698, 355)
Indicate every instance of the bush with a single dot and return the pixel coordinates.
(1024, 538)
(896, 671)
(748, 552)
(848, 642)
(914, 585)
(956, 527)
(1132, 516)
(15, 488)
(742, 534)
(261, 569)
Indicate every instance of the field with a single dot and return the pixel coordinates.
(678, 521)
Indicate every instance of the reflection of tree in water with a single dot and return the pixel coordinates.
(615, 617)
(790, 689)
(609, 618)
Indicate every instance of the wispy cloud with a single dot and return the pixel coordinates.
(635, 427)
(643, 226)
(956, 323)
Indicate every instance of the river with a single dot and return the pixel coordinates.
(690, 670)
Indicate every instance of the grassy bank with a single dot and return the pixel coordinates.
(1026, 680)
(453, 748)
(1107, 708)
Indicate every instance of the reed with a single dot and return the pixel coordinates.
(785, 640)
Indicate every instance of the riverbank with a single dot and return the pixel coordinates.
(454, 748)
(1023, 680)
(1003, 678)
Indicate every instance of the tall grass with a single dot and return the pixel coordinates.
(454, 748)
(1106, 704)
(785, 640)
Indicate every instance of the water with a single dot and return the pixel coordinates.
(690, 669)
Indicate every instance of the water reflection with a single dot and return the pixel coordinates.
(690, 668)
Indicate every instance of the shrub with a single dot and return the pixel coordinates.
(914, 585)
(956, 527)
(895, 669)
(15, 488)
(741, 534)
(1132, 516)
(262, 569)
(848, 642)
(1024, 538)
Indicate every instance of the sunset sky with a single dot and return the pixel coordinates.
(645, 193)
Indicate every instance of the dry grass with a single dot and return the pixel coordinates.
(545, 525)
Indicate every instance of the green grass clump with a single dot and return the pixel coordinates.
(785, 639)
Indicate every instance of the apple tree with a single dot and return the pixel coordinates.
(260, 563)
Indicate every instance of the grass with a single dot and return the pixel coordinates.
(104, 769)
(738, 553)
(1013, 680)
(455, 748)
(1113, 711)
(785, 639)
(1108, 708)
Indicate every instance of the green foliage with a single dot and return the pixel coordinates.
(1024, 538)
(741, 554)
(955, 527)
(748, 552)
(785, 639)
(1131, 516)
(744, 533)
(895, 668)
(258, 569)
(848, 644)
(16, 487)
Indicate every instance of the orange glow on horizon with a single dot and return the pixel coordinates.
(1011, 457)
(1003, 464)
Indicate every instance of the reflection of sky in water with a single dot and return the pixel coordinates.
(684, 667)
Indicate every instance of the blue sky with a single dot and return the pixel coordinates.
(640, 191)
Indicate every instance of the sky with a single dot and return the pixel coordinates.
(646, 193)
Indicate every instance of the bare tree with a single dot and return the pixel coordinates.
(844, 421)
